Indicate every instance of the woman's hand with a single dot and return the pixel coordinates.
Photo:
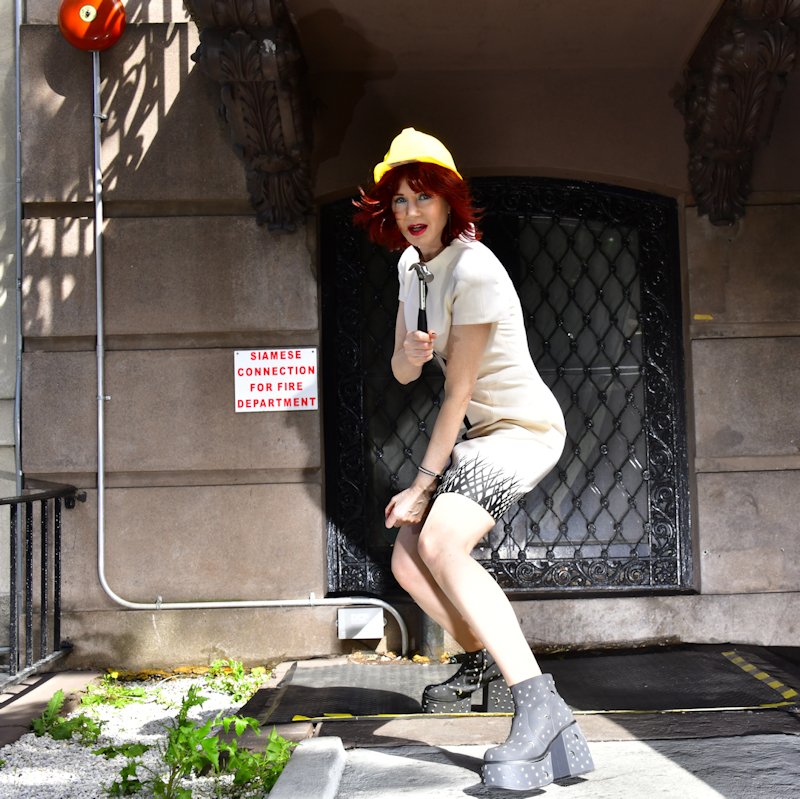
(409, 506)
(418, 346)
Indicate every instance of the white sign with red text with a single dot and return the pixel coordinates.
(275, 380)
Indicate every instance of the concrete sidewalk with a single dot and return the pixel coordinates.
(705, 753)
(25, 701)
(749, 767)
(764, 766)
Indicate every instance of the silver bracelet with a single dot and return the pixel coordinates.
(428, 472)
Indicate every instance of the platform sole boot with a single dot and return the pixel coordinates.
(545, 743)
(478, 670)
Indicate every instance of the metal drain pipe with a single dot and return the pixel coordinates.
(18, 258)
(312, 601)
(18, 289)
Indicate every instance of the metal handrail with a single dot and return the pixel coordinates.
(22, 544)
(51, 491)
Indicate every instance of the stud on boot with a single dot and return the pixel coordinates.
(455, 695)
(497, 697)
(545, 743)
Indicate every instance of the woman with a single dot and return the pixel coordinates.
(499, 431)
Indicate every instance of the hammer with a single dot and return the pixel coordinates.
(425, 276)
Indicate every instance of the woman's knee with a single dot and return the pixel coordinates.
(454, 527)
(432, 547)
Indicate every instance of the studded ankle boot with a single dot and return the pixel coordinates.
(545, 743)
(478, 669)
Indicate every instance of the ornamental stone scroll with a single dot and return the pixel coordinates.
(730, 96)
(251, 48)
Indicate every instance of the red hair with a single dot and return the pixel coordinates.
(375, 212)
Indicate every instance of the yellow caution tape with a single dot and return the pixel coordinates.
(776, 685)
(349, 717)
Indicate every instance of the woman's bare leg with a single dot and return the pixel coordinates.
(453, 528)
(415, 577)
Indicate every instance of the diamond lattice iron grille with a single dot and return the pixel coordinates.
(596, 269)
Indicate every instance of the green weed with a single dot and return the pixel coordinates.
(61, 729)
(127, 750)
(128, 782)
(255, 770)
(190, 747)
(112, 692)
(229, 676)
(163, 700)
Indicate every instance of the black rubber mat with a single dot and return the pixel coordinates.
(669, 680)
(657, 681)
(357, 690)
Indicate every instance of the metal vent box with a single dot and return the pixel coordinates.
(360, 622)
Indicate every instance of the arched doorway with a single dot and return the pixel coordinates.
(598, 274)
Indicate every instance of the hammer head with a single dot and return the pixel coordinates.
(423, 273)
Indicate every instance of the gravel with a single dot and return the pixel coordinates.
(42, 768)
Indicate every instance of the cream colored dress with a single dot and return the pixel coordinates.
(514, 429)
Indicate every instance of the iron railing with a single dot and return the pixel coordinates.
(25, 585)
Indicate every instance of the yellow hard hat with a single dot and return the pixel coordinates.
(412, 146)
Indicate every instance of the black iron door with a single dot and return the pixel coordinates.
(597, 271)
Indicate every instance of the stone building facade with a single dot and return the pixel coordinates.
(206, 504)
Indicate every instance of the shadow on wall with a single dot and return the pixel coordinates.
(58, 290)
(203, 284)
(141, 11)
(327, 37)
(164, 138)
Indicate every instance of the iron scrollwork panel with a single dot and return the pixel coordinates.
(596, 269)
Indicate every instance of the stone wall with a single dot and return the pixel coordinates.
(745, 329)
(203, 503)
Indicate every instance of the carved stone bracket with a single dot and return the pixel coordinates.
(731, 94)
(252, 49)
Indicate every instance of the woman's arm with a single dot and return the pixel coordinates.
(465, 349)
(411, 349)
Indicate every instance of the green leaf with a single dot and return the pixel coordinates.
(211, 748)
(243, 775)
(50, 717)
(128, 750)
(53, 706)
(87, 728)
(62, 732)
(135, 750)
(191, 700)
(129, 783)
